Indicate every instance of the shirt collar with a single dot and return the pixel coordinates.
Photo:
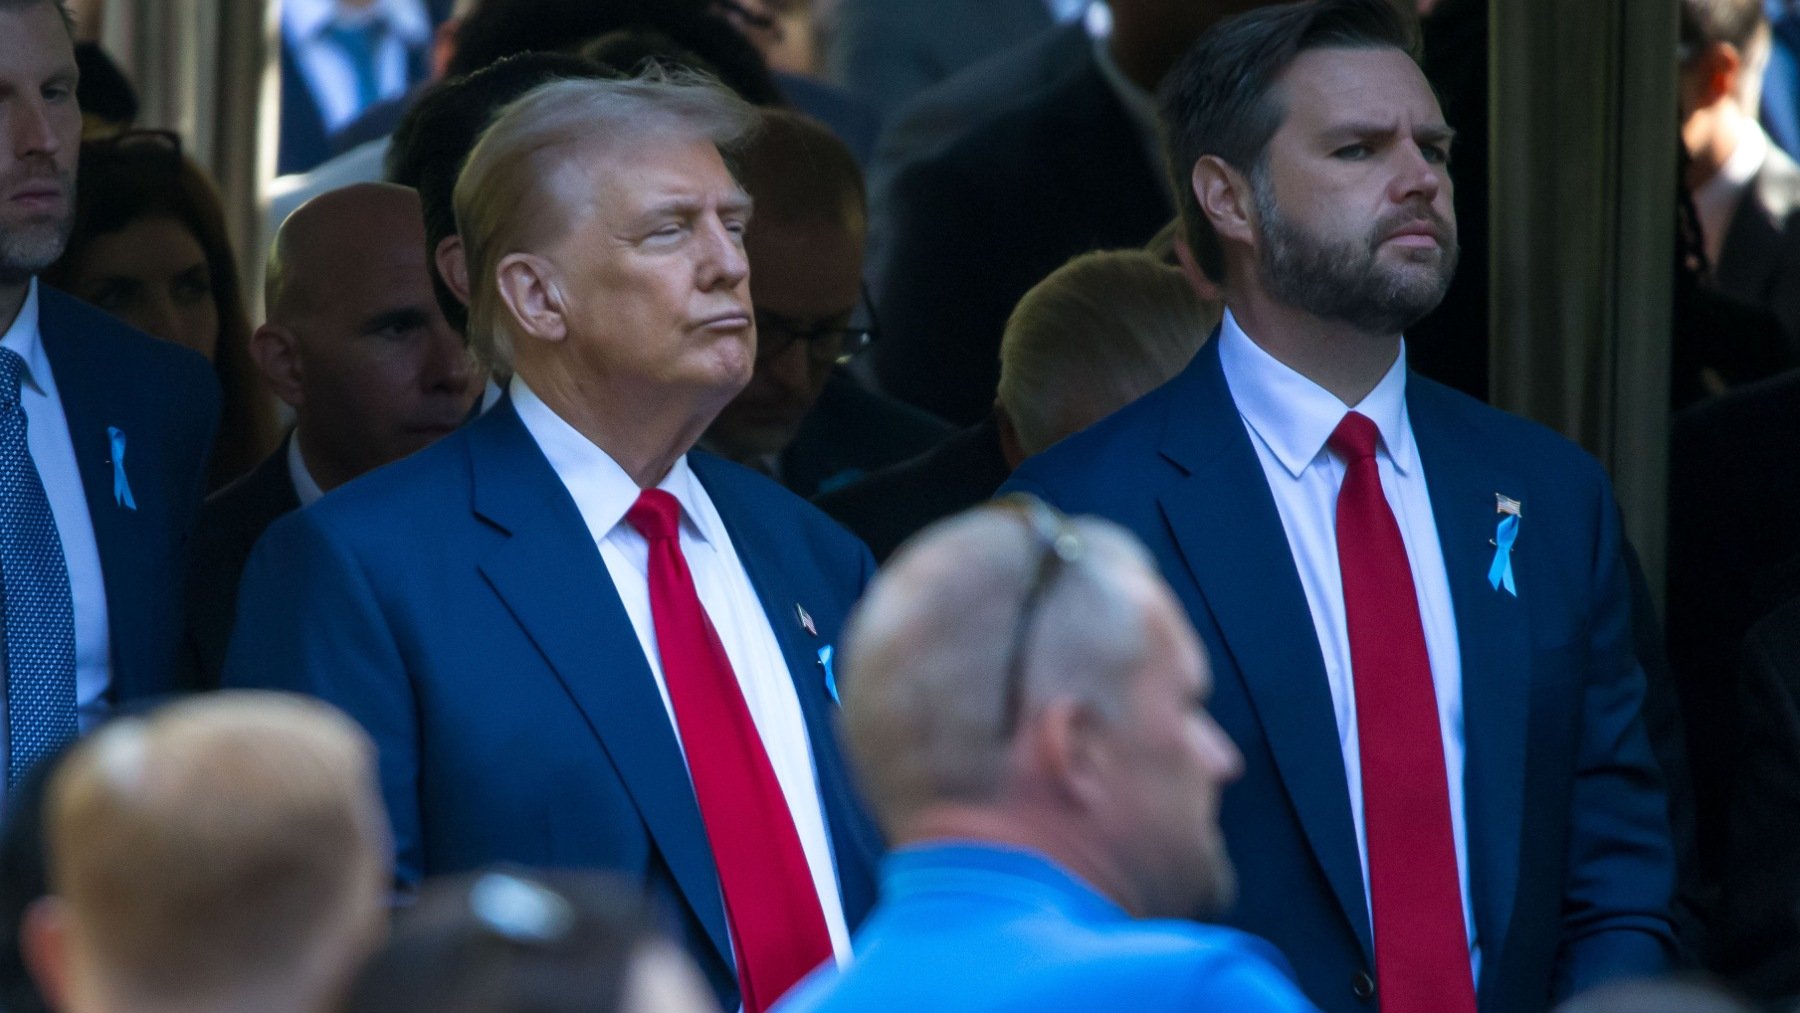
(406, 19)
(1294, 416)
(602, 489)
(24, 338)
(1716, 200)
(306, 488)
(994, 870)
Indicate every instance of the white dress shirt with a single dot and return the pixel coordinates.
(306, 488)
(328, 72)
(1289, 419)
(53, 451)
(603, 492)
(1716, 200)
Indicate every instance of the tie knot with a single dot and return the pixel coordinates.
(12, 372)
(1354, 438)
(656, 515)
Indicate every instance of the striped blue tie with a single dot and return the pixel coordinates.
(34, 595)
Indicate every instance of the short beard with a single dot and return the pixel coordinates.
(29, 251)
(1343, 281)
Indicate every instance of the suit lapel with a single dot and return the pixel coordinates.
(124, 564)
(558, 589)
(1229, 534)
(757, 546)
(1495, 643)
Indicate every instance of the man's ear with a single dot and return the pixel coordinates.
(1226, 199)
(44, 944)
(1009, 438)
(1068, 748)
(453, 265)
(1714, 73)
(276, 352)
(531, 289)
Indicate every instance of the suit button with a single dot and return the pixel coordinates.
(1362, 985)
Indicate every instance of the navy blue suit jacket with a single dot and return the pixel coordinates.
(454, 602)
(1570, 865)
(164, 399)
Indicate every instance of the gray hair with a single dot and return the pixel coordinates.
(508, 199)
(924, 661)
(1100, 332)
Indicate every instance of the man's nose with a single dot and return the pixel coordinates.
(448, 365)
(725, 264)
(34, 128)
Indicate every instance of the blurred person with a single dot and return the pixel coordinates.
(109, 103)
(104, 437)
(222, 853)
(655, 617)
(1098, 333)
(23, 882)
(356, 345)
(886, 53)
(802, 420)
(1780, 105)
(1417, 607)
(338, 58)
(1025, 706)
(1050, 174)
(781, 31)
(149, 246)
(1746, 190)
(506, 941)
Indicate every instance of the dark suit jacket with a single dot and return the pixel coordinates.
(231, 520)
(887, 52)
(891, 505)
(1760, 260)
(454, 602)
(164, 401)
(1757, 944)
(852, 431)
(970, 230)
(1570, 865)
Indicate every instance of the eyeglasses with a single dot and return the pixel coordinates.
(825, 345)
(1058, 547)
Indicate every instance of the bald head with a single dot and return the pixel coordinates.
(356, 341)
(334, 236)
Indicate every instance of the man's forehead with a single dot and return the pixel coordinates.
(1370, 85)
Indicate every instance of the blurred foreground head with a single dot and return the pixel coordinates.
(226, 852)
(509, 942)
(1016, 677)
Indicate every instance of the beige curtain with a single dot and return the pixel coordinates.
(1584, 116)
(207, 70)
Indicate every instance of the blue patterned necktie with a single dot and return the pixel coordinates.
(34, 595)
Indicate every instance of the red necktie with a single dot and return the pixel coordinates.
(1421, 945)
(777, 926)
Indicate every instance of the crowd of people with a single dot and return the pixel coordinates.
(971, 521)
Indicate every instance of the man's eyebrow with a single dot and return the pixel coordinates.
(1438, 133)
(404, 316)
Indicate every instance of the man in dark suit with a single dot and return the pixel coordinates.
(802, 420)
(885, 53)
(104, 436)
(1746, 190)
(357, 345)
(1416, 606)
(1070, 169)
(575, 642)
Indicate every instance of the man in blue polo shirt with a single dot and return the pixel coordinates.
(1025, 704)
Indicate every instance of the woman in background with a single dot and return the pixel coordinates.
(149, 246)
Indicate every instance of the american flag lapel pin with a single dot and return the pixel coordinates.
(806, 619)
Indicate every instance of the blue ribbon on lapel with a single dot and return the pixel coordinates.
(1501, 574)
(121, 488)
(830, 676)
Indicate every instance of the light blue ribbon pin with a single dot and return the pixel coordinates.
(121, 488)
(830, 676)
(1501, 574)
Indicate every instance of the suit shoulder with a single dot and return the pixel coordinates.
(1528, 445)
(744, 494)
(102, 337)
(1118, 447)
(393, 499)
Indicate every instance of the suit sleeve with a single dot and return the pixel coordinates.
(1621, 865)
(309, 621)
